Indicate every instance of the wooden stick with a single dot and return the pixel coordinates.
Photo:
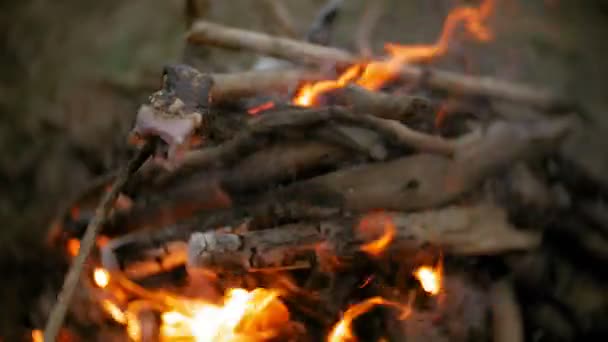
(426, 180)
(281, 17)
(207, 33)
(408, 183)
(275, 121)
(383, 105)
(372, 12)
(214, 190)
(506, 316)
(478, 230)
(229, 87)
(57, 315)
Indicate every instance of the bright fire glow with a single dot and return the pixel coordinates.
(374, 75)
(378, 246)
(37, 335)
(342, 331)
(243, 316)
(429, 278)
(101, 277)
(114, 311)
(308, 93)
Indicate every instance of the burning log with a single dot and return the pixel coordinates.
(140, 255)
(208, 33)
(481, 229)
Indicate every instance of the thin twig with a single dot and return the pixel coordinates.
(506, 314)
(371, 14)
(282, 18)
(57, 316)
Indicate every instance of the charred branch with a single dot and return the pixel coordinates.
(481, 229)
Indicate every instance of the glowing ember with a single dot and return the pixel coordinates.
(342, 331)
(429, 278)
(101, 277)
(375, 74)
(244, 315)
(73, 247)
(258, 109)
(37, 335)
(376, 247)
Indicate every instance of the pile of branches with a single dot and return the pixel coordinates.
(286, 190)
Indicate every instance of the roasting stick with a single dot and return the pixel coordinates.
(207, 33)
(57, 315)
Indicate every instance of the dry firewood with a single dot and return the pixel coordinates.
(383, 105)
(215, 190)
(360, 139)
(425, 180)
(408, 183)
(217, 35)
(506, 316)
(208, 33)
(253, 138)
(229, 87)
(478, 230)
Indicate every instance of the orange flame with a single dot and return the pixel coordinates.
(37, 335)
(342, 331)
(376, 74)
(429, 278)
(378, 246)
(244, 315)
(101, 277)
(308, 93)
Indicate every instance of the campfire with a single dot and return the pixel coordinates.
(343, 199)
